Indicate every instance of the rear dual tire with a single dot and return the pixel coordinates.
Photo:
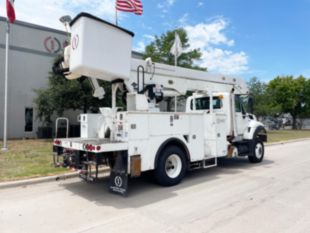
(171, 166)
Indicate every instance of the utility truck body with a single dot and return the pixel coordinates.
(145, 136)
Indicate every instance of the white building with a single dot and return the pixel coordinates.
(31, 55)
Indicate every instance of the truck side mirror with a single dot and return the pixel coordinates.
(251, 104)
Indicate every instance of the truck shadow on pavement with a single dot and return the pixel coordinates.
(144, 191)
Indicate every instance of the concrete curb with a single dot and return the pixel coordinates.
(13, 184)
(286, 142)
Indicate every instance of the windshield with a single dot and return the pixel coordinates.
(242, 103)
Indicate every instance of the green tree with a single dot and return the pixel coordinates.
(263, 106)
(305, 102)
(291, 94)
(159, 50)
(62, 94)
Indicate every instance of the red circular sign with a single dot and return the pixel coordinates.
(52, 44)
(75, 42)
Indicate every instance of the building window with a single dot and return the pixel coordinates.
(28, 119)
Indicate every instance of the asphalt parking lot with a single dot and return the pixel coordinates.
(237, 196)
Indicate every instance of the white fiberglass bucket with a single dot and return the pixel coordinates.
(99, 49)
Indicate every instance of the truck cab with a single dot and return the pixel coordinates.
(234, 106)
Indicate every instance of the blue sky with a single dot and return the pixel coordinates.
(274, 34)
(262, 38)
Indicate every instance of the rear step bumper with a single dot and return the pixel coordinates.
(90, 145)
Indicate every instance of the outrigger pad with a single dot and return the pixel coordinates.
(119, 175)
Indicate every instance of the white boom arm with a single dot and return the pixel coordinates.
(177, 80)
(98, 91)
(100, 50)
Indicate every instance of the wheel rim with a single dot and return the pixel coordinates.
(173, 166)
(259, 150)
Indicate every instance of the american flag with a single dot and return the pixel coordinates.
(10, 10)
(134, 6)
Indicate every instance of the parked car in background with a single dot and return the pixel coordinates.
(272, 123)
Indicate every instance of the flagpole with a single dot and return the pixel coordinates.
(4, 146)
(116, 15)
(176, 52)
(175, 60)
(116, 18)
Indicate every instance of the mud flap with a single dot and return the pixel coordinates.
(119, 174)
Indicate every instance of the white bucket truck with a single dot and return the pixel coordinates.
(143, 138)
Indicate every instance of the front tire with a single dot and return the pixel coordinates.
(171, 166)
(258, 152)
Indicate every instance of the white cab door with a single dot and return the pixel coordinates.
(241, 118)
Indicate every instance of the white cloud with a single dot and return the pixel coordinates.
(203, 34)
(209, 37)
(140, 47)
(160, 5)
(165, 5)
(47, 12)
(106, 9)
(170, 2)
(183, 19)
(224, 61)
(149, 37)
(199, 4)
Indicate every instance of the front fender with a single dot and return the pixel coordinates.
(255, 129)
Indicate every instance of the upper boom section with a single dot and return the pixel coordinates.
(101, 50)
(178, 80)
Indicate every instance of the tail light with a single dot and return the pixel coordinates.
(57, 142)
(90, 147)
